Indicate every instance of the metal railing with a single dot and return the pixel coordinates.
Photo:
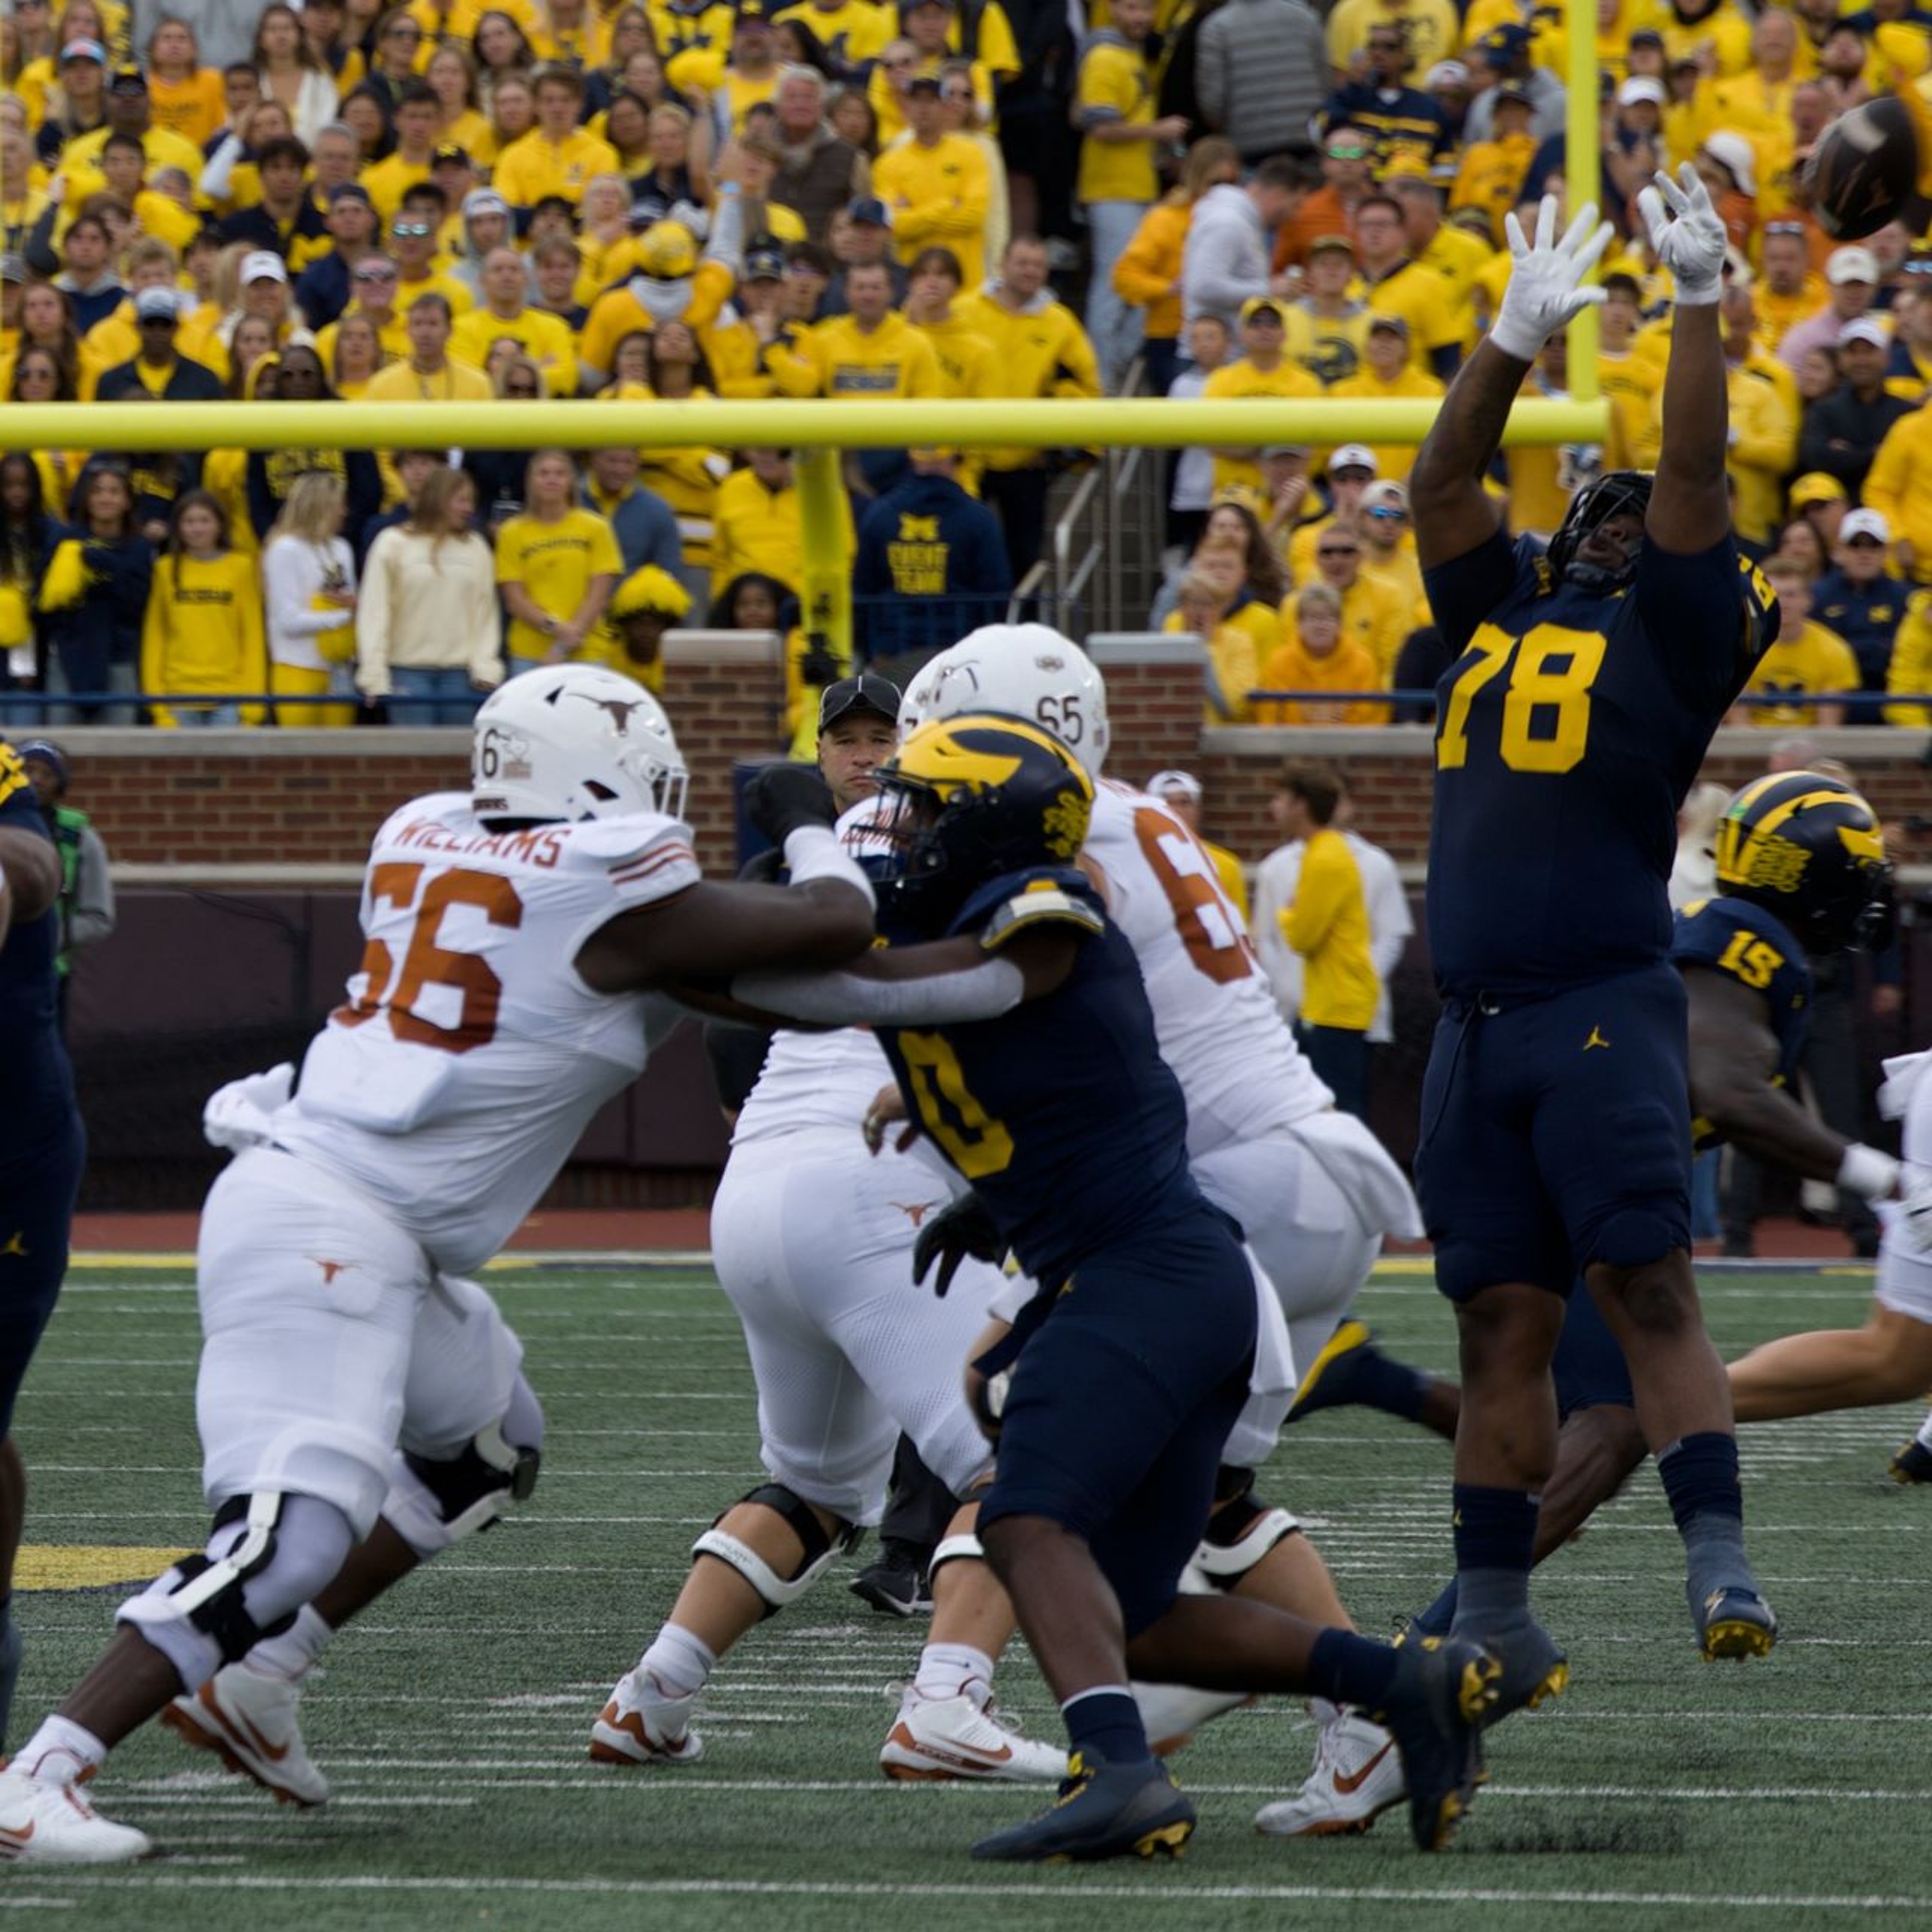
(1090, 555)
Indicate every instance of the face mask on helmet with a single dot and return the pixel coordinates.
(571, 742)
(1618, 492)
(974, 798)
(1024, 671)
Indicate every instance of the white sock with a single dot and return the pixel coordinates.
(291, 1656)
(1925, 1429)
(1323, 1711)
(61, 1752)
(680, 1662)
(945, 1670)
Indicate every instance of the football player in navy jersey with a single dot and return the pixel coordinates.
(1585, 686)
(1801, 871)
(42, 1146)
(1017, 1024)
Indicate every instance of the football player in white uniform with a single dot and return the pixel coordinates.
(514, 934)
(1311, 1189)
(812, 1239)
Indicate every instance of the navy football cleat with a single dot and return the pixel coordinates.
(1103, 1811)
(1912, 1464)
(1534, 1670)
(1444, 1687)
(1329, 1383)
(1734, 1622)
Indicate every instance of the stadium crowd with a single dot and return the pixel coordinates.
(556, 200)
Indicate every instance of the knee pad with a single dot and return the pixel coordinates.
(1240, 1532)
(776, 1590)
(432, 1504)
(954, 1549)
(268, 1555)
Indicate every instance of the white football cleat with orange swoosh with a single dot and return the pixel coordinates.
(250, 1721)
(1358, 1776)
(54, 1825)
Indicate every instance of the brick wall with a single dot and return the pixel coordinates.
(223, 805)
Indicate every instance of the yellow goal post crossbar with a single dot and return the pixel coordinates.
(817, 427)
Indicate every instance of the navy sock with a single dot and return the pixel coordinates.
(1437, 1619)
(1495, 1538)
(1700, 1478)
(1347, 1668)
(1105, 1723)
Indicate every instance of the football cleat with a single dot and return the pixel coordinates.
(936, 1739)
(1357, 1776)
(1172, 1713)
(1534, 1670)
(1736, 1622)
(54, 1825)
(1328, 1383)
(1912, 1464)
(1103, 1811)
(896, 1585)
(641, 1725)
(1444, 1686)
(249, 1722)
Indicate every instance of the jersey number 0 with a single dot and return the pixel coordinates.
(1545, 717)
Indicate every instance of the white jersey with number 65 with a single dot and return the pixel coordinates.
(469, 1056)
(1214, 1015)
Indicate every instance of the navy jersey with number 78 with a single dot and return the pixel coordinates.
(1568, 729)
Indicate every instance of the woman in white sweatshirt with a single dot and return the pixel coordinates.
(429, 630)
(308, 583)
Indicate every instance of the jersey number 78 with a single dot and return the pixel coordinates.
(1545, 713)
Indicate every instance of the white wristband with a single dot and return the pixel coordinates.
(1865, 1170)
(1514, 338)
(814, 852)
(1700, 294)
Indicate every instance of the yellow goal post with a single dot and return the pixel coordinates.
(816, 429)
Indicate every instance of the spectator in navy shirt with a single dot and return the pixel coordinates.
(1862, 601)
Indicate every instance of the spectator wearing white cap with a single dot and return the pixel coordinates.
(1180, 792)
(1388, 544)
(1861, 599)
(1726, 163)
(1448, 85)
(1851, 277)
(1349, 471)
(1841, 432)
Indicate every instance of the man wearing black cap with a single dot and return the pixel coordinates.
(1263, 368)
(158, 370)
(324, 290)
(86, 902)
(936, 183)
(128, 113)
(1504, 53)
(866, 239)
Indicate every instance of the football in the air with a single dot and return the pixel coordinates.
(1864, 169)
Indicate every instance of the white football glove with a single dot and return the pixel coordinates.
(237, 1116)
(1546, 284)
(1688, 235)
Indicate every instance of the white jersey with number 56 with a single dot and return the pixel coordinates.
(456, 1078)
(1214, 1015)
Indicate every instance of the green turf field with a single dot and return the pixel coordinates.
(1660, 1792)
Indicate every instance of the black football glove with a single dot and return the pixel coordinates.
(963, 1227)
(782, 797)
(820, 666)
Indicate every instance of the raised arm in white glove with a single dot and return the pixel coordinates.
(1546, 283)
(1687, 234)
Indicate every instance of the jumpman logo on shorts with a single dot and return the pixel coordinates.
(1596, 1039)
(15, 1245)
